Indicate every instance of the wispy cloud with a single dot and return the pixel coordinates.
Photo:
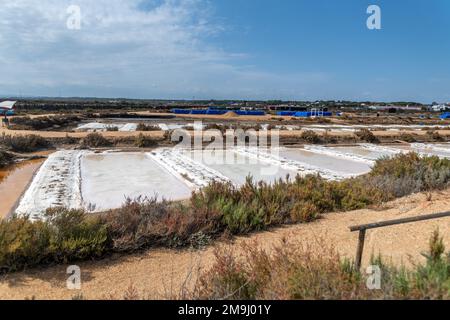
(132, 48)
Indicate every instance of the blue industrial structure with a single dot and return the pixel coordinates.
(305, 114)
(445, 115)
(8, 112)
(286, 113)
(250, 113)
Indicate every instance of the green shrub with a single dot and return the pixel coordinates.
(409, 173)
(310, 137)
(23, 244)
(75, 235)
(257, 206)
(66, 236)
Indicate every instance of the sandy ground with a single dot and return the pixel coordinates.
(161, 273)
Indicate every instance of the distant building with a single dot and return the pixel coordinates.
(7, 108)
(7, 105)
(439, 107)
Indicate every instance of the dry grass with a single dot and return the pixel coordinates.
(367, 136)
(294, 271)
(95, 140)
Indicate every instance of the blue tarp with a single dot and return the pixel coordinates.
(8, 112)
(445, 115)
(286, 113)
(199, 111)
(216, 112)
(308, 114)
(250, 113)
(181, 111)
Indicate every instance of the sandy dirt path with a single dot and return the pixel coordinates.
(160, 273)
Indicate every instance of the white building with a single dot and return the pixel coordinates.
(439, 107)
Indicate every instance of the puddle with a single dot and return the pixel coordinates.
(14, 181)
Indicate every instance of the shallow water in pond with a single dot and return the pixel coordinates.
(359, 151)
(108, 179)
(325, 161)
(237, 167)
(13, 182)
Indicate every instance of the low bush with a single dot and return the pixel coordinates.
(66, 235)
(310, 137)
(367, 136)
(295, 271)
(257, 206)
(409, 173)
(95, 140)
(27, 143)
(42, 123)
(145, 223)
(146, 127)
(143, 141)
(435, 136)
(407, 137)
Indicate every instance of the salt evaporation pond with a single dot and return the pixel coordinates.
(237, 167)
(131, 127)
(361, 152)
(108, 179)
(440, 150)
(102, 181)
(332, 163)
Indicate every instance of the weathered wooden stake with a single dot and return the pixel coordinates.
(362, 230)
(360, 249)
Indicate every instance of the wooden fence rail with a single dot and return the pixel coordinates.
(363, 228)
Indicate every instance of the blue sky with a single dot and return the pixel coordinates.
(227, 49)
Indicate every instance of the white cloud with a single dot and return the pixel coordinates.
(130, 48)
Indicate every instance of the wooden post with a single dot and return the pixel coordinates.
(360, 249)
